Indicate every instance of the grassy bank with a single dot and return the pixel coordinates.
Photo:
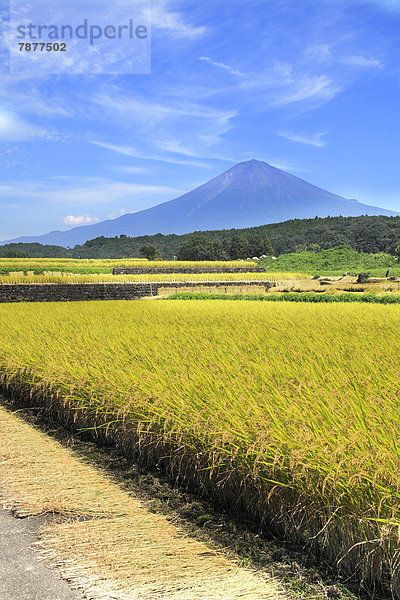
(289, 412)
(291, 297)
(334, 261)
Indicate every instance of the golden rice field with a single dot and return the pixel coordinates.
(61, 277)
(29, 264)
(288, 411)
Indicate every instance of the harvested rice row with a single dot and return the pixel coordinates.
(42, 263)
(60, 277)
(109, 545)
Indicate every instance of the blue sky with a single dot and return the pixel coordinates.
(311, 87)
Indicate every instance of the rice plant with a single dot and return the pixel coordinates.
(105, 265)
(288, 411)
(16, 277)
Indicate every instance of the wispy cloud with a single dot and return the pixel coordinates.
(132, 170)
(134, 107)
(289, 83)
(28, 95)
(318, 53)
(135, 153)
(362, 61)
(163, 18)
(174, 146)
(15, 129)
(85, 191)
(222, 65)
(325, 53)
(174, 129)
(307, 87)
(310, 140)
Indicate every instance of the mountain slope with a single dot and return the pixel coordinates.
(249, 194)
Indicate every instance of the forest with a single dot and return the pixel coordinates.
(369, 234)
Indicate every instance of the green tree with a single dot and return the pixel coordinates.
(11, 254)
(397, 251)
(150, 252)
(268, 249)
(256, 245)
(201, 247)
(238, 247)
(218, 250)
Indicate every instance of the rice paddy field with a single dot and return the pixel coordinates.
(289, 412)
(15, 277)
(105, 266)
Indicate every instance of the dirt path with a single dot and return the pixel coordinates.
(23, 575)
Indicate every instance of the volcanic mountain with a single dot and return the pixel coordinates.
(249, 194)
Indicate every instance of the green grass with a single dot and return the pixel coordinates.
(291, 297)
(334, 261)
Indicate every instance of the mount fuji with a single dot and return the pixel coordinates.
(249, 194)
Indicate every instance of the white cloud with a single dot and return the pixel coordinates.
(80, 220)
(171, 146)
(131, 170)
(119, 213)
(361, 61)
(134, 108)
(176, 147)
(221, 65)
(135, 153)
(307, 87)
(287, 83)
(310, 140)
(27, 93)
(164, 19)
(86, 191)
(125, 150)
(322, 53)
(15, 129)
(171, 130)
(318, 53)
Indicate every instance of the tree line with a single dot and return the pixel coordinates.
(369, 234)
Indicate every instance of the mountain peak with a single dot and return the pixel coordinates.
(252, 163)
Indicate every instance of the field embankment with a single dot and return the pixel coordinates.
(289, 412)
(68, 292)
